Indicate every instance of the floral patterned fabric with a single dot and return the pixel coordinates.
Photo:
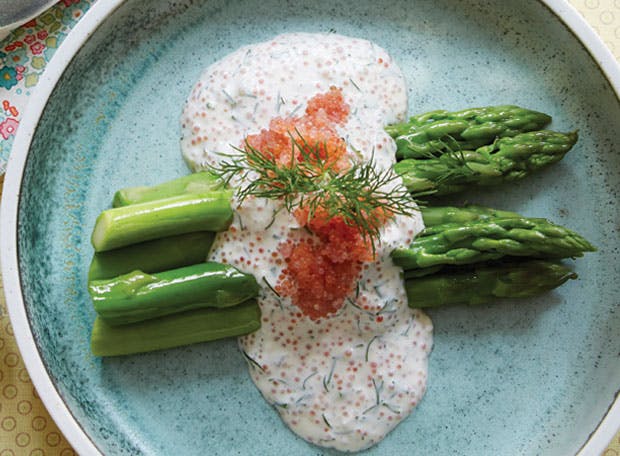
(23, 56)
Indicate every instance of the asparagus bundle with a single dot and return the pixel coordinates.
(149, 280)
(507, 159)
(474, 254)
(433, 133)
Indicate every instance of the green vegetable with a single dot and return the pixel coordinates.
(484, 283)
(491, 239)
(437, 215)
(140, 296)
(437, 132)
(506, 160)
(414, 273)
(126, 225)
(184, 328)
(196, 183)
(152, 256)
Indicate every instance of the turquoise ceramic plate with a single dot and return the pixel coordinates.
(533, 377)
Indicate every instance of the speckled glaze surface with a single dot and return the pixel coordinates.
(531, 377)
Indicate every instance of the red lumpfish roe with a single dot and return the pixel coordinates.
(317, 127)
(315, 283)
(344, 241)
(330, 104)
(321, 272)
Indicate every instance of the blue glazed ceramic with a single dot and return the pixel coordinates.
(527, 377)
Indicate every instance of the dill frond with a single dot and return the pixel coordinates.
(362, 195)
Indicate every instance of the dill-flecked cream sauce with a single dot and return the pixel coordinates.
(346, 380)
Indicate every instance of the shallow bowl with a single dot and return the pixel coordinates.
(528, 377)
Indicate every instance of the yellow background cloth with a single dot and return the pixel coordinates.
(25, 426)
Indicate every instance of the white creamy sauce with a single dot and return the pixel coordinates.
(346, 380)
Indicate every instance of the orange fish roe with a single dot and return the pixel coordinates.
(344, 241)
(330, 104)
(316, 127)
(315, 283)
(319, 273)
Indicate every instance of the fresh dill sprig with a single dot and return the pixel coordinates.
(362, 195)
(252, 361)
(453, 163)
(368, 347)
(271, 287)
(328, 378)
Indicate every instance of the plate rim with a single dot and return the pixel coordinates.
(50, 396)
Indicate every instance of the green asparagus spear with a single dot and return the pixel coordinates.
(506, 160)
(152, 256)
(415, 273)
(200, 325)
(484, 240)
(484, 283)
(140, 296)
(196, 183)
(438, 215)
(437, 132)
(126, 225)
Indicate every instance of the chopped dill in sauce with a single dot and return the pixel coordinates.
(343, 378)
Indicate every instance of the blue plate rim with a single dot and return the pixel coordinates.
(99, 13)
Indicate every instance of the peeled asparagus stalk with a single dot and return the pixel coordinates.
(170, 331)
(127, 225)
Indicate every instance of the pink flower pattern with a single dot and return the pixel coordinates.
(17, 51)
(37, 48)
(8, 127)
